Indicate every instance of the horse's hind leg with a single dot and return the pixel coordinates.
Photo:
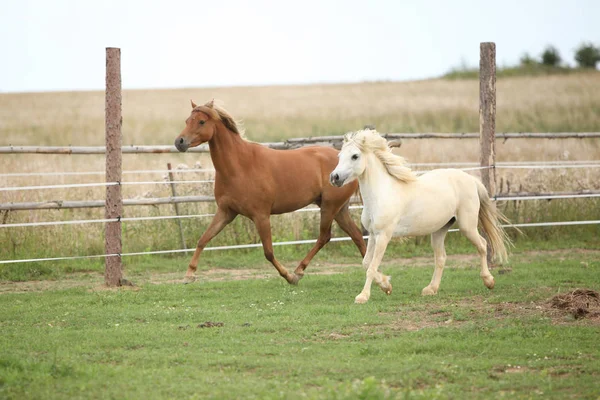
(263, 225)
(439, 253)
(345, 222)
(219, 221)
(324, 238)
(471, 233)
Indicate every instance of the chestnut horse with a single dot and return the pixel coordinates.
(255, 181)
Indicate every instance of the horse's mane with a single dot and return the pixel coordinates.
(370, 141)
(218, 113)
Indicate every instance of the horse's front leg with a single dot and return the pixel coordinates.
(381, 241)
(263, 225)
(324, 238)
(219, 221)
(370, 251)
(383, 281)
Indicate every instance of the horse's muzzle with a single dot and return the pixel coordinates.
(181, 144)
(335, 180)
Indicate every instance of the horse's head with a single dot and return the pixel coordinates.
(199, 127)
(351, 160)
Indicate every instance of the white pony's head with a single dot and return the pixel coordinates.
(352, 161)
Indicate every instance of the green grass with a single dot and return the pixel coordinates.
(308, 341)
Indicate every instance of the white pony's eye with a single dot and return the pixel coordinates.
(355, 157)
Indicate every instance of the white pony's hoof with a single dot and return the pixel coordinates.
(488, 281)
(386, 285)
(428, 291)
(361, 299)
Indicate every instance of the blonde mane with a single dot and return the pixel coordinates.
(218, 113)
(370, 141)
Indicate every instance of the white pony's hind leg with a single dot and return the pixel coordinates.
(381, 241)
(473, 235)
(439, 252)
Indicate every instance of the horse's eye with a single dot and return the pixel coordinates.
(202, 122)
(355, 157)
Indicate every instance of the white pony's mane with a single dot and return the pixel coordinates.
(370, 141)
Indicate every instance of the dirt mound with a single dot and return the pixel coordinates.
(581, 303)
(210, 324)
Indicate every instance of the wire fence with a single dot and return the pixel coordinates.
(467, 166)
(286, 243)
(499, 165)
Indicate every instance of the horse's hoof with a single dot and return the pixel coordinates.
(489, 282)
(428, 291)
(387, 285)
(387, 289)
(361, 299)
(189, 279)
(294, 279)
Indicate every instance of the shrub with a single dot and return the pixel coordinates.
(587, 55)
(526, 60)
(551, 57)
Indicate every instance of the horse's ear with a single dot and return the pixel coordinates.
(210, 104)
(193, 104)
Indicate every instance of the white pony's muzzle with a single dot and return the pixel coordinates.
(336, 179)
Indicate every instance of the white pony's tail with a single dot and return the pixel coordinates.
(489, 221)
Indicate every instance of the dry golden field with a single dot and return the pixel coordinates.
(535, 104)
(562, 103)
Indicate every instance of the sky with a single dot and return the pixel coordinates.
(59, 45)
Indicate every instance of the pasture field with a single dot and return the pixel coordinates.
(241, 331)
(231, 335)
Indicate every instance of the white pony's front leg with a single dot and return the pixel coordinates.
(370, 251)
(378, 243)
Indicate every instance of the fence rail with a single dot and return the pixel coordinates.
(499, 164)
(289, 144)
(64, 205)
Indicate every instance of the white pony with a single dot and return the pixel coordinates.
(398, 203)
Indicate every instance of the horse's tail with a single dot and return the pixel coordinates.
(489, 221)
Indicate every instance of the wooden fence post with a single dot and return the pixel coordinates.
(176, 206)
(113, 271)
(487, 118)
